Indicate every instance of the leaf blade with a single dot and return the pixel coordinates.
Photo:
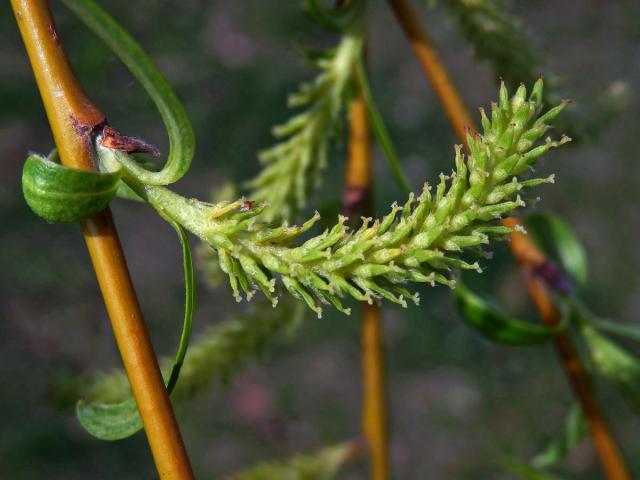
(558, 239)
(615, 364)
(496, 326)
(61, 194)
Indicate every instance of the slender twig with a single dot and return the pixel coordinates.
(74, 121)
(523, 249)
(358, 200)
(531, 258)
(434, 68)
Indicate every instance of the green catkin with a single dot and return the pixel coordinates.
(419, 242)
(292, 167)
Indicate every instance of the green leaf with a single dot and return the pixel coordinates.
(573, 433)
(559, 241)
(189, 303)
(322, 465)
(126, 193)
(495, 325)
(109, 421)
(380, 129)
(115, 421)
(61, 194)
(174, 117)
(615, 364)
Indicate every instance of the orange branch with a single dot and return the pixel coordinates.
(434, 68)
(74, 121)
(523, 249)
(358, 200)
(530, 258)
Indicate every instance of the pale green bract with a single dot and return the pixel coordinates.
(421, 241)
(292, 167)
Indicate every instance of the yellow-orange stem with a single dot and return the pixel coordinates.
(434, 68)
(358, 201)
(74, 119)
(374, 405)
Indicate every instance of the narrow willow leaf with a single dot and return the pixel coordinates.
(380, 129)
(60, 194)
(115, 421)
(497, 326)
(632, 332)
(559, 241)
(573, 433)
(322, 465)
(615, 364)
(189, 304)
(174, 117)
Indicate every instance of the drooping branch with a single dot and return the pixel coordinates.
(523, 248)
(531, 259)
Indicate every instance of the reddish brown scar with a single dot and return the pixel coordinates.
(113, 139)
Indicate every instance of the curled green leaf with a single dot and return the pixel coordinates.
(497, 326)
(61, 194)
(559, 241)
(115, 421)
(174, 117)
(109, 421)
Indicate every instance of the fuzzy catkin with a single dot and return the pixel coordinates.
(422, 241)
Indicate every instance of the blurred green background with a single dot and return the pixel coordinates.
(457, 401)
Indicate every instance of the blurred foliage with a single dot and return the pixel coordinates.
(322, 465)
(445, 386)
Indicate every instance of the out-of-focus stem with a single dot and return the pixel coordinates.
(524, 250)
(357, 200)
(74, 121)
(434, 68)
(531, 258)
